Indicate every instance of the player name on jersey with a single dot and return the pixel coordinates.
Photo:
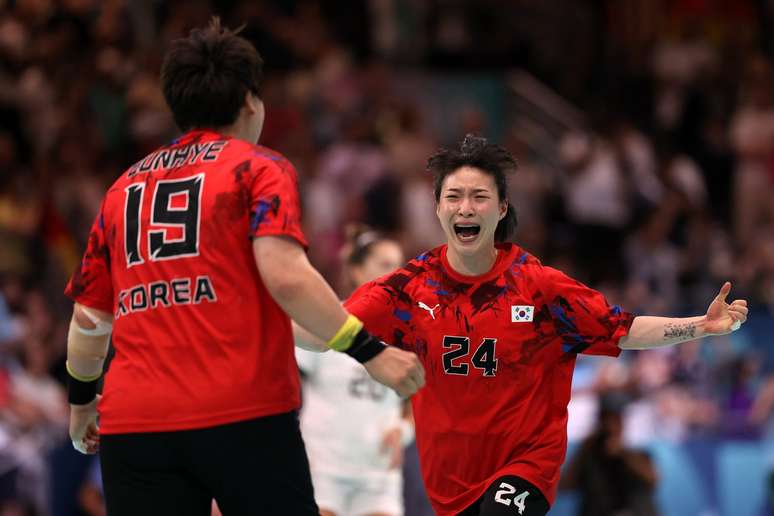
(179, 291)
(177, 157)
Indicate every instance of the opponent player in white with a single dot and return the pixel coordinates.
(355, 442)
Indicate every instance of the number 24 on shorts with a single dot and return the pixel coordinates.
(519, 501)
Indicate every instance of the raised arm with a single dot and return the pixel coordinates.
(654, 332)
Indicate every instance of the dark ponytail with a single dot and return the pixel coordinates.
(506, 226)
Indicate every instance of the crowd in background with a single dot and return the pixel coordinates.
(661, 190)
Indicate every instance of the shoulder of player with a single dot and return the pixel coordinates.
(427, 263)
(543, 278)
(415, 274)
(525, 269)
(269, 158)
(524, 260)
(392, 285)
(518, 255)
(123, 181)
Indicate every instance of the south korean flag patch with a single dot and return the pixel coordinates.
(522, 313)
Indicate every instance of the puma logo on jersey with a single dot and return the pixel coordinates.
(522, 313)
(425, 307)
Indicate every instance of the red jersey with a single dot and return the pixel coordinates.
(498, 351)
(198, 339)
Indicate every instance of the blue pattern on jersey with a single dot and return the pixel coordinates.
(267, 156)
(261, 211)
(572, 341)
(403, 315)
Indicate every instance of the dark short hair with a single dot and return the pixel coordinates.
(488, 157)
(206, 76)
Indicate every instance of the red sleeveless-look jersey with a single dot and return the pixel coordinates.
(198, 339)
(498, 351)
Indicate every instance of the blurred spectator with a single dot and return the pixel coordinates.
(335, 197)
(597, 204)
(738, 419)
(752, 133)
(408, 142)
(611, 478)
(653, 263)
(662, 409)
(35, 419)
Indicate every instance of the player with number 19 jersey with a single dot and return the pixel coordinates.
(498, 351)
(170, 255)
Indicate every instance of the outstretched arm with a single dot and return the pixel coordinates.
(654, 332)
(304, 295)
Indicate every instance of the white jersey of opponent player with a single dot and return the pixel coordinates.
(345, 415)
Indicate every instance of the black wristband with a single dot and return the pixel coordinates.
(79, 392)
(365, 347)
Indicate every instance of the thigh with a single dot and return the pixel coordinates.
(142, 474)
(257, 466)
(510, 495)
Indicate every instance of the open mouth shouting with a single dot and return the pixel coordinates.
(467, 232)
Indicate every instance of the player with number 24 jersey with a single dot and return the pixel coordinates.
(499, 351)
(498, 334)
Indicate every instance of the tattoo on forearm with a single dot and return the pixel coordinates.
(679, 331)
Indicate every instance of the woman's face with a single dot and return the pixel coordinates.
(384, 257)
(469, 210)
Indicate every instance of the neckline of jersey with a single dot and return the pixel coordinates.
(206, 135)
(505, 256)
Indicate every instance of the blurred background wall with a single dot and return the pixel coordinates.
(644, 130)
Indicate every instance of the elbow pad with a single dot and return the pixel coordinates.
(100, 327)
(86, 352)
